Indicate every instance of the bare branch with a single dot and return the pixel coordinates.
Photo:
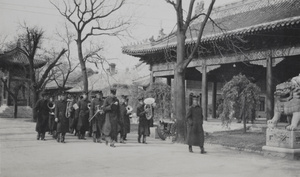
(189, 59)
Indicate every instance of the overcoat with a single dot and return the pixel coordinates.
(111, 115)
(144, 128)
(42, 111)
(60, 113)
(124, 119)
(98, 120)
(82, 115)
(195, 133)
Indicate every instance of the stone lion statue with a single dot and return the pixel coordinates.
(287, 103)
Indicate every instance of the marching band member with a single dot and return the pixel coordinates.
(111, 108)
(42, 111)
(143, 129)
(82, 115)
(71, 112)
(99, 116)
(124, 118)
(51, 123)
(60, 117)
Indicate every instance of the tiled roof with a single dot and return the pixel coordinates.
(242, 18)
(18, 57)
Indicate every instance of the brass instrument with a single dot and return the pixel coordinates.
(89, 105)
(99, 110)
(51, 106)
(148, 107)
(69, 108)
(129, 109)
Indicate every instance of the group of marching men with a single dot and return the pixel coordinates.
(104, 119)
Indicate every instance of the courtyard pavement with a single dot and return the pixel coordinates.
(23, 156)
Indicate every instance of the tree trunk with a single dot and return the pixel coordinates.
(179, 88)
(35, 97)
(82, 64)
(15, 107)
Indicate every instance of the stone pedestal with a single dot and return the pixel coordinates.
(282, 143)
(153, 133)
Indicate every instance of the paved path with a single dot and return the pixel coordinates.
(23, 156)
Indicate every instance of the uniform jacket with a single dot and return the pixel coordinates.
(60, 113)
(82, 115)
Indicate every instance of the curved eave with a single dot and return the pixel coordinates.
(284, 23)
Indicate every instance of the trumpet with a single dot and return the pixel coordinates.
(51, 106)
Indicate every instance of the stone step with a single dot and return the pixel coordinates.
(8, 112)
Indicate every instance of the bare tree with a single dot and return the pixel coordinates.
(31, 41)
(91, 18)
(182, 60)
(61, 73)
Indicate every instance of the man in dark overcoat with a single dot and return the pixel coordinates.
(144, 124)
(51, 123)
(60, 118)
(70, 102)
(195, 132)
(82, 115)
(126, 118)
(42, 111)
(112, 113)
(123, 118)
(99, 116)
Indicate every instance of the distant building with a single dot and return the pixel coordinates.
(14, 68)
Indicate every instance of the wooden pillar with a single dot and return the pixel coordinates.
(270, 93)
(5, 95)
(214, 99)
(204, 91)
(169, 81)
(152, 78)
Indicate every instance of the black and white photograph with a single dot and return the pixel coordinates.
(150, 88)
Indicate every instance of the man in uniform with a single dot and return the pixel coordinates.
(99, 116)
(124, 118)
(144, 128)
(51, 123)
(71, 112)
(42, 111)
(60, 118)
(112, 111)
(82, 115)
(195, 133)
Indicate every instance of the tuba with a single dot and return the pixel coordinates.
(51, 106)
(148, 107)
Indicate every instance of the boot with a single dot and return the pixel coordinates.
(62, 138)
(112, 144)
(122, 141)
(144, 139)
(83, 137)
(38, 136)
(94, 137)
(202, 150)
(43, 136)
(139, 138)
(190, 149)
(58, 137)
(78, 135)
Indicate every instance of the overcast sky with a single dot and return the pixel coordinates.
(150, 16)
